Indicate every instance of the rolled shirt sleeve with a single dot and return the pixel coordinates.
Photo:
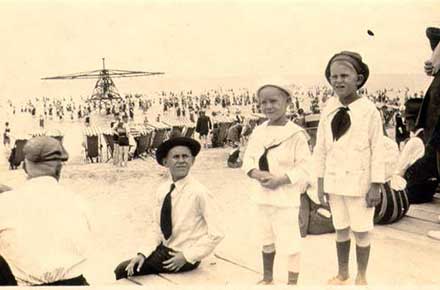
(299, 174)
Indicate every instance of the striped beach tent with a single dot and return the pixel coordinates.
(174, 121)
(250, 116)
(157, 125)
(38, 133)
(137, 130)
(311, 126)
(92, 131)
(55, 133)
(260, 117)
(92, 143)
(312, 120)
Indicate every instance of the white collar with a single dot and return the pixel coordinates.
(334, 104)
(181, 183)
(287, 131)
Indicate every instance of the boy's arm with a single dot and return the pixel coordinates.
(319, 152)
(319, 158)
(207, 243)
(377, 149)
(249, 159)
(302, 156)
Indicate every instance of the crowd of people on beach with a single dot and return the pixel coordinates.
(203, 110)
(186, 106)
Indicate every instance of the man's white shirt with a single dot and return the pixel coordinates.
(196, 227)
(44, 232)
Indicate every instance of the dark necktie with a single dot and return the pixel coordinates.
(165, 214)
(263, 163)
(340, 123)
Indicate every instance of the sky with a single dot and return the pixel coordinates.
(198, 41)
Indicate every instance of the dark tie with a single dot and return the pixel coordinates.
(263, 163)
(165, 214)
(340, 123)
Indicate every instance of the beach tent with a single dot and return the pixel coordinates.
(92, 143)
(311, 124)
(160, 134)
(143, 136)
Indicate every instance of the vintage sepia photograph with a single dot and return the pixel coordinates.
(220, 143)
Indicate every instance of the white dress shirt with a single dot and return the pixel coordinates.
(350, 164)
(44, 232)
(291, 158)
(196, 227)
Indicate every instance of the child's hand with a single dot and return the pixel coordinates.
(260, 175)
(373, 195)
(274, 181)
(264, 176)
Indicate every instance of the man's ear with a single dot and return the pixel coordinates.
(165, 162)
(360, 79)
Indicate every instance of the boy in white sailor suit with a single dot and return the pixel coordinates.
(350, 161)
(276, 158)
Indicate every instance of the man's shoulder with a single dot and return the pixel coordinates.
(196, 186)
(197, 189)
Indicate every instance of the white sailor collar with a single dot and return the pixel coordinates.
(286, 131)
(334, 104)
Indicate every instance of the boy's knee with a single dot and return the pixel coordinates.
(293, 262)
(343, 235)
(362, 238)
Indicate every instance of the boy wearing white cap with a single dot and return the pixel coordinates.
(276, 158)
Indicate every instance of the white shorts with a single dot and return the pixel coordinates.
(279, 226)
(351, 211)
